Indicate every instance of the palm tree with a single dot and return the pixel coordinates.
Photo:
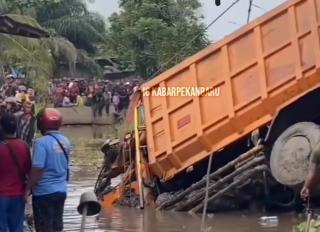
(39, 58)
(71, 19)
(36, 57)
(30, 55)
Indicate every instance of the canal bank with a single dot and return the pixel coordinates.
(85, 168)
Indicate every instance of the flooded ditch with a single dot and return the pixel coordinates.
(86, 161)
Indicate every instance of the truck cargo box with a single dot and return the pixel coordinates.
(254, 72)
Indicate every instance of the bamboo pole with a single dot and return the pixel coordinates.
(200, 196)
(308, 222)
(138, 157)
(230, 187)
(203, 220)
(308, 216)
(254, 151)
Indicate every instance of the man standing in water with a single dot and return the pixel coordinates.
(49, 173)
(312, 173)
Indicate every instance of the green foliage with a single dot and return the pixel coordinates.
(68, 18)
(71, 19)
(89, 63)
(25, 20)
(23, 6)
(32, 56)
(153, 35)
(39, 58)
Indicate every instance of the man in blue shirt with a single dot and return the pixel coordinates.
(50, 172)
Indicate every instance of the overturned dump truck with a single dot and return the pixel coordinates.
(258, 118)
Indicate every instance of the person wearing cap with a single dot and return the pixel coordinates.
(50, 172)
(14, 168)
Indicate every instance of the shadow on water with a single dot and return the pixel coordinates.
(86, 161)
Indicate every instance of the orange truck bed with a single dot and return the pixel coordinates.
(256, 71)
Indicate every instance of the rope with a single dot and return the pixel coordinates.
(204, 212)
(249, 10)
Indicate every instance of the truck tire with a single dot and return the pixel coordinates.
(291, 153)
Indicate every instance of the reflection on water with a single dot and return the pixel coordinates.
(155, 221)
(86, 160)
(87, 157)
(90, 132)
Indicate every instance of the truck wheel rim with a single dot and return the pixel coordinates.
(290, 165)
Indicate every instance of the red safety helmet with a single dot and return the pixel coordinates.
(49, 119)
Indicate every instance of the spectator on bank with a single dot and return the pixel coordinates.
(116, 93)
(31, 96)
(58, 95)
(27, 124)
(21, 94)
(66, 101)
(18, 109)
(74, 91)
(116, 101)
(50, 172)
(107, 98)
(9, 87)
(98, 101)
(80, 100)
(90, 94)
(14, 167)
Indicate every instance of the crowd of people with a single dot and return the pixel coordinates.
(46, 174)
(42, 172)
(99, 95)
(19, 100)
(42, 178)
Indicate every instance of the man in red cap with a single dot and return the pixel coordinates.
(50, 172)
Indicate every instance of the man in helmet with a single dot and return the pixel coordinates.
(50, 172)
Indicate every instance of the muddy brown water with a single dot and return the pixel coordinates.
(85, 167)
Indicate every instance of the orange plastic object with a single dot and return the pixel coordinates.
(110, 199)
(257, 70)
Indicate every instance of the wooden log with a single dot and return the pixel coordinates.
(200, 196)
(230, 187)
(253, 152)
